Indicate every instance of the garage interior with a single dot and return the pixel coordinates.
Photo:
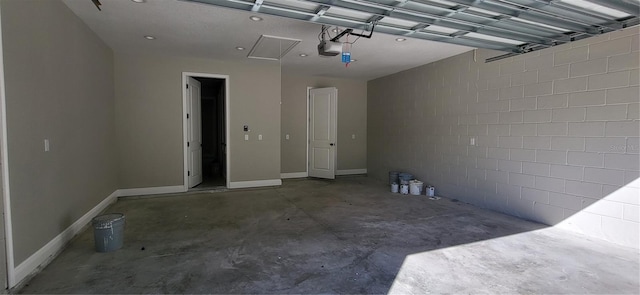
(523, 114)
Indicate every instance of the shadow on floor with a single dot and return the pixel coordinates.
(345, 236)
(211, 183)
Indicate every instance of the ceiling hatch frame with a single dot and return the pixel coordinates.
(512, 26)
(263, 48)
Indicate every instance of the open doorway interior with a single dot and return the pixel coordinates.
(212, 122)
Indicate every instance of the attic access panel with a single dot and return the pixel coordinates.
(272, 47)
(512, 26)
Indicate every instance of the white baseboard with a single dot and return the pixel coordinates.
(294, 175)
(255, 183)
(351, 172)
(48, 252)
(150, 191)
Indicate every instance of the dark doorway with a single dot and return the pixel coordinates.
(213, 94)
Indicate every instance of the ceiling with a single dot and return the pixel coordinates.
(198, 30)
(215, 28)
(514, 26)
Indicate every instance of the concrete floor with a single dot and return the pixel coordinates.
(344, 236)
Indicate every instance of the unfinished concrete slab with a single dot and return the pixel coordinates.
(349, 235)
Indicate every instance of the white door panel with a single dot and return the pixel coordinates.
(322, 132)
(322, 158)
(194, 133)
(321, 109)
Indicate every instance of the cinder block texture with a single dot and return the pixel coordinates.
(556, 132)
(590, 67)
(552, 101)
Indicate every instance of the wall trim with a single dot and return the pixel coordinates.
(308, 99)
(255, 183)
(41, 258)
(227, 115)
(294, 175)
(334, 121)
(351, 171)
(127, 192)
(6, 192)
(48, 252)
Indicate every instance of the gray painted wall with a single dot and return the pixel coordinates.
(59, 86)
(3, 243)
(149, 118)
(557, 132)
(352, 119)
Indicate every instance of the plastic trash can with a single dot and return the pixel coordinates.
(108, 232)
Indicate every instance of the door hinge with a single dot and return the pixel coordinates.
(187, 86)
(187, 144)
(188, 173)
(187, 116)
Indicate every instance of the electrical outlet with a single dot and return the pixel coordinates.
(472, 140)
(286, 137)
(246, 137)
(259, 136)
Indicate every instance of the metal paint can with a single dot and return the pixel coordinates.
(394, 187)
(431, 191)
(404, 189)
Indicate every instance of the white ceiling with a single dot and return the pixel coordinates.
(204, 31)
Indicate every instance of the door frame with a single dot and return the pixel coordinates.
(335, 153)
(185, 152)
(194, 148)
(308, 124)
(6, 192)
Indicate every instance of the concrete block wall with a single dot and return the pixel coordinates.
(556, 132)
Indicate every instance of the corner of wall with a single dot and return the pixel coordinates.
(48, 252)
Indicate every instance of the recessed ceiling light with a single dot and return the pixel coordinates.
(149, 37)
(255, 18)
(401, 39)
(303, 55)
(139, 1)
(240, 48)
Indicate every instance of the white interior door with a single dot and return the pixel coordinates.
(194, 133)
(322, 132)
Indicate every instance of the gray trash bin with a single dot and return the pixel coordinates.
(108, 231)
